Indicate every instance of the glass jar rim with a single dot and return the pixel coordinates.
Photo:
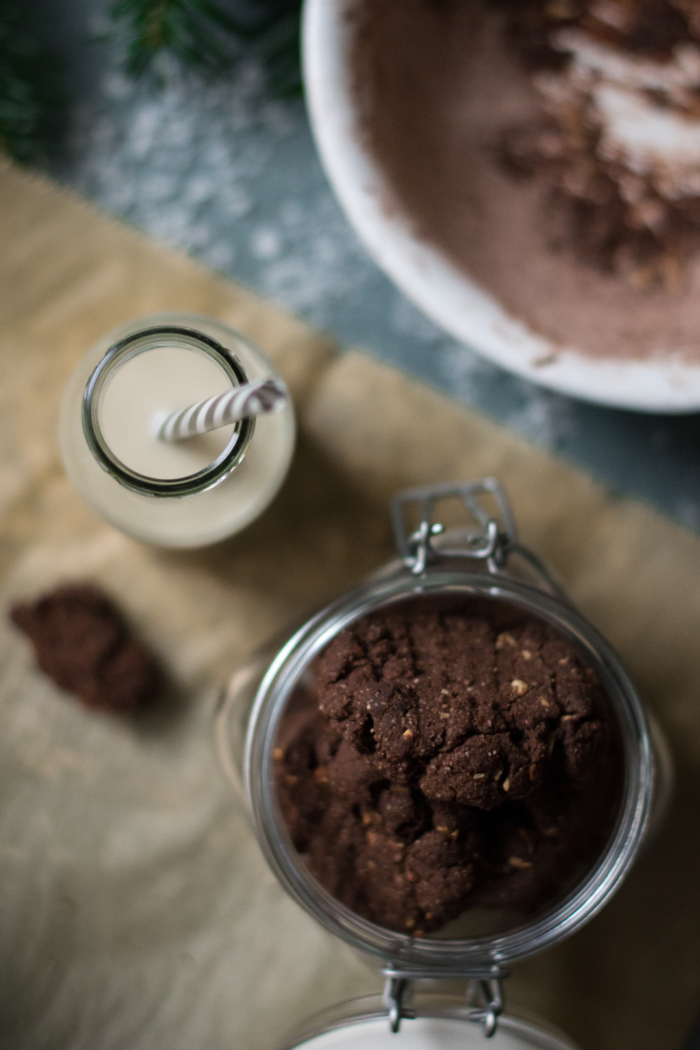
(140, 342)
(436, 957)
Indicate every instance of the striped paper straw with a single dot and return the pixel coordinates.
(251, 399)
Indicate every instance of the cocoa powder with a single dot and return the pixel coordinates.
(444, 95)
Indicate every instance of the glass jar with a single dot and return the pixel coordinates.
(486, 563)
(205, 488)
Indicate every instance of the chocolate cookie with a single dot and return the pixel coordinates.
(444, 759)
(83, 644)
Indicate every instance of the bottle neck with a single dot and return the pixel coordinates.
(177, 339)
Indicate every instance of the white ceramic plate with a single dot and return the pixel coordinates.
(459, 305)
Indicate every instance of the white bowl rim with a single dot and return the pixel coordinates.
(456, 303)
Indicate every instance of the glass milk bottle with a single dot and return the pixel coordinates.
(187, 493)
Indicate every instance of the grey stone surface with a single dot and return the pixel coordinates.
(230, 174)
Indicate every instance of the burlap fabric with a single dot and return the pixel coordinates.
(135, 909)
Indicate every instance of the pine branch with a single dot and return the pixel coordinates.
(204, 35)
(30, 101)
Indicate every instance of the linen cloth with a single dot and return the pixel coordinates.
(135, 908)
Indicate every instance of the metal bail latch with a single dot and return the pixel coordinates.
(491, 541)
(484, 994)
(489, 989)
(395, 991)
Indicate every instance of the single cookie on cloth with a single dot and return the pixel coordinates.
(82, 643)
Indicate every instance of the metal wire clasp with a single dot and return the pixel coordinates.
(489, 989)
(490, 542)
(484, 994)
(396, 989)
